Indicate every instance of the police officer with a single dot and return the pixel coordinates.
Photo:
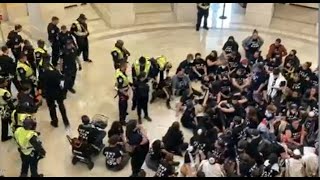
(142, 96)
(15, 41)
(80, 30)
(30, 148)
(39, 52)
(119, 53)
(203, 11)
(7, 67)
(18, 115)
(164, 66)
(6, 105)
(53, 90)
(53, 37)
(25, 72)
(65, 36)
(122, 86)
(70, 59)
(28, 50)
(141, 65)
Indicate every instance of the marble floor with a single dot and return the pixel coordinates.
(94, 85)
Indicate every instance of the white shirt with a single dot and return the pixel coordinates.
(211, 170)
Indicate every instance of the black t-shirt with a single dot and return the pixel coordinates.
(69, 57)
(199, 64)
(188, 116)
(257, 80)
(142, 90)
(164, 170)
(298, 87)
(211, 69)
(271, 64)
(14, 39)
(7, 66)
(135, 138)
(115, 132)
(254, 46)
(112, 154)
(186, 65)
(305, 73)
(296, 133)
(222, 70)
(237, 133)
(156, 154)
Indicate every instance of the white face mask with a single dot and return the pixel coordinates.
(223, 66)
(268, 114)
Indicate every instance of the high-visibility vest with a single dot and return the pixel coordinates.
(120, 53)
(119, 73)
(22, 137)
(42, 51)
(2, 93)
(26, 67)
(162, 61)
(17, 119)
(146, 68)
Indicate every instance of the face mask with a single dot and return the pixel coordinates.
(223, 66)
(268, 114)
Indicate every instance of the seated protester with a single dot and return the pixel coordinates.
(314, 79)
(173, 140)
(88, 132)
(310, 160)
(261, 106)
(237, 129)
(186, 64)
(256, 144)
(295, 89)
(211, 168)
(188, 168)
(166, 168)
(223, 69)
(156, 154)
(272, 63)
(212, 62)
(271, 167)
(117, 129)
(256, 59)
(277, 50)
(294, 135)
(230, 46)
(276, 86)
(311, 126)
(199, 69)
(244, 64)
(219, 151)
(289, 70)
(188, 119)
(252, 44)
(163, 90)
(257, 82)
(116, 159)
(292, 59)
(180, 83)
(226, 86)
(295, 166)
(305, 72)
(234, 60)
(200, 144)
(252, 120)
(240, 80)
(245, 164)
(310, 97)
(292, 113)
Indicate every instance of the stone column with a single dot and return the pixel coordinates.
(259, 14)
(40, 15)
(185, 12)
(116, 15)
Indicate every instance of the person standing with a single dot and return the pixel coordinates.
(25, 73)
(15, 41)
(30, 148)
(122, 86)
(142, 96)
(53, 37)
(119, 54)
(70, 61)
(65, 36)
(203, 12)
(54, 92)
(8, 68)
(80, 30)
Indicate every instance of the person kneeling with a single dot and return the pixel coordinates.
(116, 159)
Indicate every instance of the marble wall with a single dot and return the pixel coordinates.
(259, 14)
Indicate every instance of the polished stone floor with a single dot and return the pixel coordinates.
(94, 85)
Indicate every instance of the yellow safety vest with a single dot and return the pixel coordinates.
(124, 77)
(162, 61)
(2, 92)
(26, 67)
(22, 137)
(42, 51)
(120, 53)
(146, 68)
(18, 122)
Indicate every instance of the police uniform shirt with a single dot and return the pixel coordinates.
(203, 4)
(112, 154)
(142, 89)
(7, 66)
(74, 28)
(14, 39)
(29, 52)
(64, 38)
(21, 72)
(120, 82)
(53, 33)
(6, 97)
(39, 55)
(69, 57)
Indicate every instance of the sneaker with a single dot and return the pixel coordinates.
(72, 91)
(54, 124)
(6, 138)
(148, 118)
(197, 29)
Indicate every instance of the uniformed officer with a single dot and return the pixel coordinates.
(70, 60)
(142, 96)
(203, 11)
(65, 36)
(164, 66)
(28, 50)
(8, 68)
(80, 30)
(25, 72)
(53, 37)
(39, 52)
(119, 53)
(6, 106)
(141, 65)
(122, 86)
(18, 115)
(15, 41)
(53, 82)
(30, 148)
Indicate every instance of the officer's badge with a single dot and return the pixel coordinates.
(21, 71)
(37, 55)
(17, 40)
(120, 80)
(52, 31)
(25, 52)
(7, 95)
(115, 53)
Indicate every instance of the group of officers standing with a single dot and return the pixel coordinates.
(144, 70)
(36, 74)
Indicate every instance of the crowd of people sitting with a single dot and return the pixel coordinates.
(252, 117)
